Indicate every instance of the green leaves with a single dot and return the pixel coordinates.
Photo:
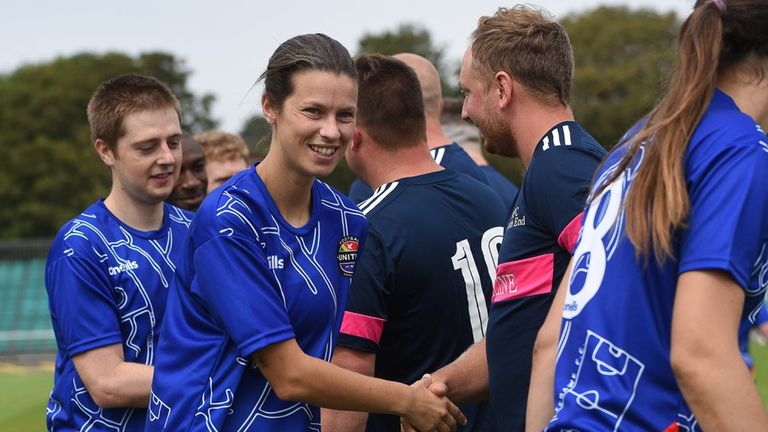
(623, 59)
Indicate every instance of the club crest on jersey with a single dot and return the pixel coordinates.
(515, 220)
(347, 254)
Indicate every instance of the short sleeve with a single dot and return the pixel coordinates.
(557, 191)
(233, 278)
(82, 305)
(366, 311)
(728, 195)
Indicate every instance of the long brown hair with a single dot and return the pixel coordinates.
(715, 36)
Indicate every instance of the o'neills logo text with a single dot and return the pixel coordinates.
(515, 220)
(128, 265)
(347, 254)
(274, 262)
(504, 285)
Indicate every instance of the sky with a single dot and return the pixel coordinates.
(226, 44)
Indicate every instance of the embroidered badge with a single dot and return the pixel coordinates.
(347, 255)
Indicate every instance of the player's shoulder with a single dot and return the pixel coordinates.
(330, 195)
(473, 189)
(567, 140)
(84, 234)
(382, 198)
(333, 204)
(238, 205)
(179, 218)
(724, 127)
(724, 139)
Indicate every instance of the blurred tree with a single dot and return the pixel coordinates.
(257, 132)
(417, 40)
(48, 168)
(623, 59)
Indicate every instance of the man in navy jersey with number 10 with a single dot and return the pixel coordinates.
(421, 292)
(516, 78)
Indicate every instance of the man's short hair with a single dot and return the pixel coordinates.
(123, 95)
(527, 44)
(222, 146)
(390, 105)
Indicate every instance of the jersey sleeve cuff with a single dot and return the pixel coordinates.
(93, 343)
(250, 346)
(357, 343)
(716, 264)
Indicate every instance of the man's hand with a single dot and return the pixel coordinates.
(440, 390)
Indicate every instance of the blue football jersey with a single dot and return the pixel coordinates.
(421, 292)
(541, 231)
(107, 284)
(248, 280)
(450, 156)
(613, 370)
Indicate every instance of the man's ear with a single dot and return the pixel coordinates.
(269, 110)
(105, 153)
(357, 138)
(503, 83)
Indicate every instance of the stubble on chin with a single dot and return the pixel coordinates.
(500, 140)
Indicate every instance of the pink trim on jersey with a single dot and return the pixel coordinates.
(523, 278)
(364, 326)
(570, 235)
(672, 428)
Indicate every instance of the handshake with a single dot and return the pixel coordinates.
(430, 408)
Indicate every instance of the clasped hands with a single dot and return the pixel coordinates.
(432, 410)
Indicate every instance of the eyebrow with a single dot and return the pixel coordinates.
(155, 139)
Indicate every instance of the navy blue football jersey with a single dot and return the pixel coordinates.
(613, 370)
(450, 156)
(539, 238)
(107, 284)
(422, 288)
(249, 279)
(505, 189)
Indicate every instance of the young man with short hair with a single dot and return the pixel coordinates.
(109, 268)
(226, 154)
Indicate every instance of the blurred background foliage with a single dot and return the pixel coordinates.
(49, 171)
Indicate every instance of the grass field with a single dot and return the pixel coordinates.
(24, 393)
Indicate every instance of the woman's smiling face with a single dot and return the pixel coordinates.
(315, 123)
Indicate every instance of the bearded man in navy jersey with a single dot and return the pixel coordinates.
(516, 78)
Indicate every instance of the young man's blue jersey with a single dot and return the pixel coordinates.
(421, 292)
(107, 284)
(541, 231)
(505, 189)
(248, 280)
(613, 369)
(450, 156)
